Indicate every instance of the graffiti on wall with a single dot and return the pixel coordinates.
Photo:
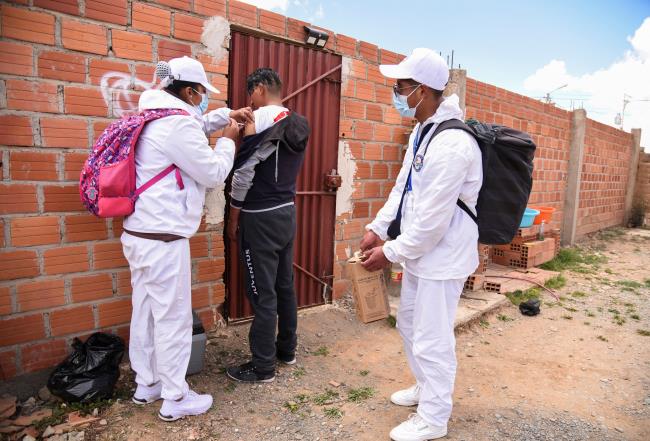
(121, 91)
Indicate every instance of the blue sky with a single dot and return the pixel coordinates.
(526, 47)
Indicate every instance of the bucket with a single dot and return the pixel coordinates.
(529, 218)
(545, 214)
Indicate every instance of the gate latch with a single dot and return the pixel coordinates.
(333, 181)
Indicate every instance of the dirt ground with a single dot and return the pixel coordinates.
(578, 371)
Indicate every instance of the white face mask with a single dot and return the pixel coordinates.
(401, 104)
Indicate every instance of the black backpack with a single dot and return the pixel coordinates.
(507, 180)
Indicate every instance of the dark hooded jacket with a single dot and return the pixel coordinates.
(267, 165)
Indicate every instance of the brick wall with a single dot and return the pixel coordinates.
(605, 170)
(65, 74)
(642, 187)
(67, 68)
(549, 127)
(375, 134)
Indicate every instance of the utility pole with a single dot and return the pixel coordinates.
(547, 98)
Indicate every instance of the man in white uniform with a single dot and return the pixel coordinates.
(156, 237)
(436, 241)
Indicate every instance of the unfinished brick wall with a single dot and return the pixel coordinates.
(375, 134)
(68, 68)
(642, 187)
(605, 170)
(65, 75)
(549, 127)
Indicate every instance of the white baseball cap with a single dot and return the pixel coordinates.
(189, 69)
(423, 65)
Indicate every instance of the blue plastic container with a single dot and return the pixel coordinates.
(529, 218)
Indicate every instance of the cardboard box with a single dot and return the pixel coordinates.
(369, 291)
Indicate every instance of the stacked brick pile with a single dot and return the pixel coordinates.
(476, 280)
(526, 251)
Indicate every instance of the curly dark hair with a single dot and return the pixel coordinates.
(265, 76)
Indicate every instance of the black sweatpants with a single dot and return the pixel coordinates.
(266, 250)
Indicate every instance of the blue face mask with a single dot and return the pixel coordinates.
(203, 105)
(401, 104)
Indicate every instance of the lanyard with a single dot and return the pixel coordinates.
(416, 146)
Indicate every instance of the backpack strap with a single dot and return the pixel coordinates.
(157, 178)
(460, 125)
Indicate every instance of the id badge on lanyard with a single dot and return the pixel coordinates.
(418, 160)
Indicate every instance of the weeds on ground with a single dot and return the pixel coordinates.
(360, 394)
(610, 234)
(333, 412)
(504, 318)
(643, 332)
(574, 259)
(646, 282)
(322, 351)
(602, 338)
(629, 285)
(556, 282)
(519, 296)
(364, 373)
(292, 406)
(326, 397)
(567, 317)
(578, 294)
(392, 321)
(484, 324)
(299, 372)
(230, 387)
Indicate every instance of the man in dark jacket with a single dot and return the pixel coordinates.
(262, 206)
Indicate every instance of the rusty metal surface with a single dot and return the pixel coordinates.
(315, 206)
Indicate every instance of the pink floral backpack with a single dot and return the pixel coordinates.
(107, 184)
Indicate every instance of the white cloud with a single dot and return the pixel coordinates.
(601, 92)
(280, 5)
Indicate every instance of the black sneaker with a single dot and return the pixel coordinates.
(247, 373)
(286, 359)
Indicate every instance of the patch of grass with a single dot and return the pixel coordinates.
(635, 317)
(504, 318)
(392, 321)
(333, 412)
(643, 332)
(578, 294)
(556, 282)
(619, 320)
(519, 296)
(610, 234)
(301, 398)
(632, 284)
(567, 317)
(299, 372)
(574, 259)
(568, 308)
(602, 338)
(646, 282)
(230, 387)
(589, 313)
(609, 271)
(364, 373)
(360, 394)
(323, 351)
(484, 324)
(325, 397)
(292, 406)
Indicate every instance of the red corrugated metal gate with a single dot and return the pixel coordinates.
(315, 204)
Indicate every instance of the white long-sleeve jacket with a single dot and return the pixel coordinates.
(180, 140)
(438, 239)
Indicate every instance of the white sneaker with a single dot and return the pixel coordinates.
(191, 404)
(407, 397)
(147, 394)
(416, 429)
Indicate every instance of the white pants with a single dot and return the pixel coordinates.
(161, 323)
(426, 322)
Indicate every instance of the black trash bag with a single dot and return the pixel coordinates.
(91, 371)
(530, 307)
